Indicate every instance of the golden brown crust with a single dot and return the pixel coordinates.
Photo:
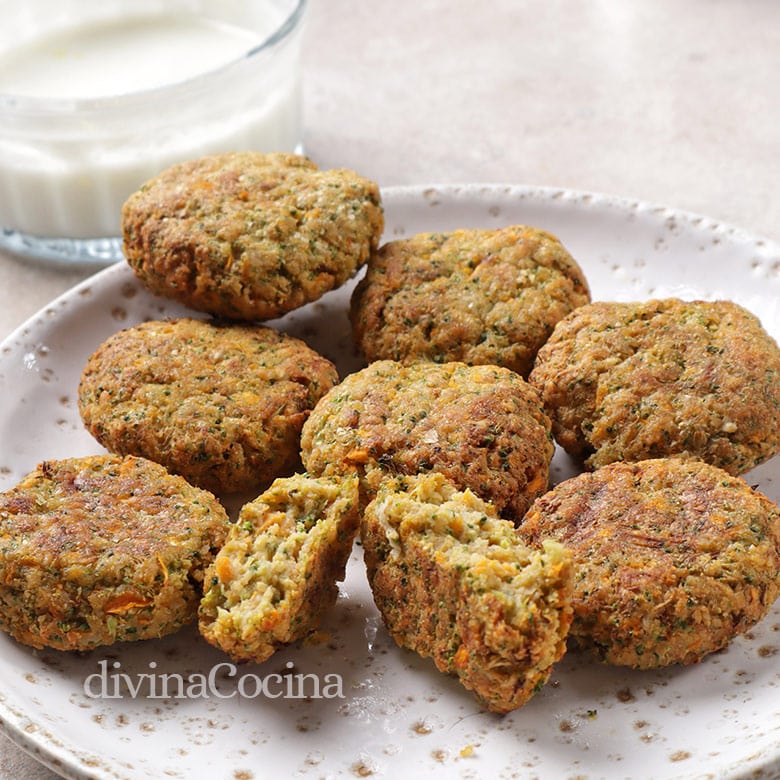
(481, 426)
(629, 381)
(476, 296)
(453, 582)
(276, 574)
(222, 405)
(672, 558)
(103, 549)
(250, 236)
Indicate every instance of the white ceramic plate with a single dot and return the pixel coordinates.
(720, 718)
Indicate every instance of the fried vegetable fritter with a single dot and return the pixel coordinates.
(481, 426)
(488, 297)
(673, 558)
(250, 236)
(454, 582)
(632, 381)
(103, 549)
(222, 405)
(277, 573)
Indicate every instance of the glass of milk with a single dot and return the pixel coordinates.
(97, 96)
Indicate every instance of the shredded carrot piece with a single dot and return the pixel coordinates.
(164, 569)
(537, 484)
(224, 569)
(456, 526)
(269, 621)
(124, 602)
(461, 657)
(356, 456)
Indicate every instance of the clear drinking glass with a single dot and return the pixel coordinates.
(67, 164)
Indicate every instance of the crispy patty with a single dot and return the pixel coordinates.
(476, 296)
(249, 235)
(672, 558)
(103, 549)
(630, 381)
(481, 426)
(276, 574)
(222, 405)
(453, 582)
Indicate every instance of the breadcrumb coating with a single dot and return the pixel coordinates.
(673, 558)
(103, 549)
(631, 381)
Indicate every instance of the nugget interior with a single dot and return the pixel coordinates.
(453, 582)
(277, 572)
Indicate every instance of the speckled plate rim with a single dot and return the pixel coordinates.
(762, 257)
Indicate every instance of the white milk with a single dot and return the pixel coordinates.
(68, 176)
(120, 56)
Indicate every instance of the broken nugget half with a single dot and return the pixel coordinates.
(276, 575)
(103, 549)
(453, 582)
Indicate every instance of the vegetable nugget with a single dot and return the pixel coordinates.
(103, 549)
(277, 572)
(481, 426)
(476, 296)
(454, 582)
(673, 558)
(222, 405)
(250, 236)
(631, 381)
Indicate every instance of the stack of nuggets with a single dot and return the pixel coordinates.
(438, 451)
(241, 236)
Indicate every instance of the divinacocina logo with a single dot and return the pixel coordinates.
(115, 684)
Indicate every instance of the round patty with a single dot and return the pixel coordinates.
(222, 405)
(249, 235)
(476, 296)
(672, 558)
(454, 582)
(630, 381)
(103, 549)
(481, 426)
